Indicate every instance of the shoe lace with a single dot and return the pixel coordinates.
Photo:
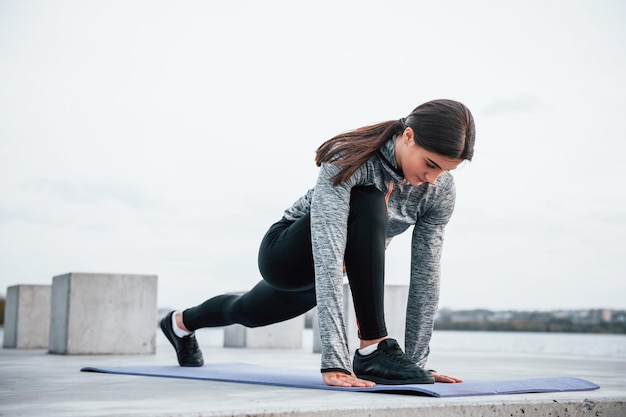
(190, 343)
(397, 355)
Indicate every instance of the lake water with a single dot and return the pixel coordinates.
(561, 344)
(574, 344)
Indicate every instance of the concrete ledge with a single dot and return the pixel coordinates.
(575, 408)
(27, 317)
(606, 408)
(103, 314)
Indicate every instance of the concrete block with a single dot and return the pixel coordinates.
(27, 317)
(103, 314)
(396, 297)
(284, 335)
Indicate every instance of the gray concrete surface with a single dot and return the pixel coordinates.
(34, 383)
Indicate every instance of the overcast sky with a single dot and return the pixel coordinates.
(165, 137)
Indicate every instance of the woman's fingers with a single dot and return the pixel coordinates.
(446, 378)
(339, 379)
(362, 383)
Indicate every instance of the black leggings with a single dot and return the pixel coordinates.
(286, 264)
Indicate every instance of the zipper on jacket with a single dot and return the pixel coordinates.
(388, 194)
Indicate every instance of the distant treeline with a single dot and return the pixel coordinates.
(555, 325)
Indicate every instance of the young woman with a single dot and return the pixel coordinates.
(374, 183)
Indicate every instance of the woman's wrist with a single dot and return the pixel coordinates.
(325, 370)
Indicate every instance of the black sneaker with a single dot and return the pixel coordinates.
(389, 365)
(187, 350)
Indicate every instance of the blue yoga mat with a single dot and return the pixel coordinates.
(308, 378)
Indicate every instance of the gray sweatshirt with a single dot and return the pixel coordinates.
(427, 207)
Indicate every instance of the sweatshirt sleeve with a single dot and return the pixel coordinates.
(423, 299)
(329, 218)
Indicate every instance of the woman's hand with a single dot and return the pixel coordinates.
(445, 378)
(339, 379)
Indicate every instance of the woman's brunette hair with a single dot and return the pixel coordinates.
(445, 127)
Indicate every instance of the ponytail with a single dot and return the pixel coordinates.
(352, 149)
(445, 127)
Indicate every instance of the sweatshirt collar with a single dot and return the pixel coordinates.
(387, 154)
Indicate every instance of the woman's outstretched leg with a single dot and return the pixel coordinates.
(260, 306)
(287, 291)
